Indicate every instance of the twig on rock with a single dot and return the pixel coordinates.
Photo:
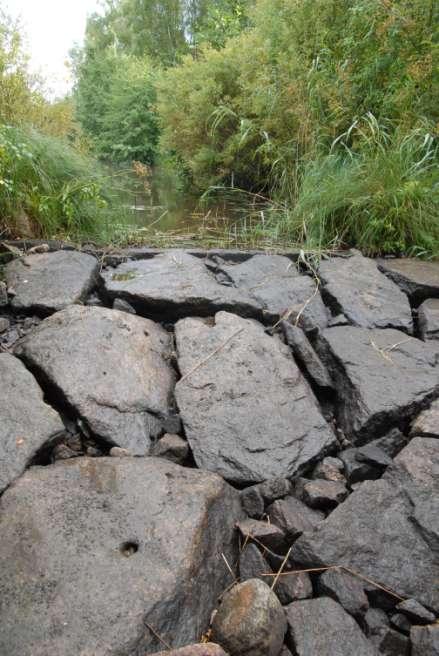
(154, 632)
(284, 562)
(211, 355)
(343, 567)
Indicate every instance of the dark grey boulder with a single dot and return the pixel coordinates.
(306, 356)
(172, 447)
(48, 282)
(275, 488)
(401, 623)
(266, 534)
(391, 643)
(234, 375)
(27, 423)
(364, 295)
(321, 627)
(175, 284)
(253, 501)
(383, 377)
(111, 368)
(250, 621)
(288, 588)
(375, 621)
(277, 286)
(321, 494)
(417, 278)
(100, 555)
(357, 470)
(346, 589)
(425, 640)
(293, 517)
(416, 612)
(330, 469)
(387, 530)
(428, 319)
(391, 443)
(427, 422)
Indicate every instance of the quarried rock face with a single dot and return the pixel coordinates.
(321, 627)
(382, 376)
(48, 282)
(175, 284)
(227, 403)
(98, 556)
(387, 530)
(364, 295)
(417, 278)
(110, 367)
(26, 422)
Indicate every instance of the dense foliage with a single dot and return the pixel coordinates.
(47, 185)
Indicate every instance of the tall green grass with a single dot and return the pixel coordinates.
(54, 190)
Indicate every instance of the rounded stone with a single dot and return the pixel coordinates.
(250, 621)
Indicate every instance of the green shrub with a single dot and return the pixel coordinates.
(55, 189)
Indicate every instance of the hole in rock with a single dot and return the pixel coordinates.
(128, 549)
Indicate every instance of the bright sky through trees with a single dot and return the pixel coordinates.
(52, 27)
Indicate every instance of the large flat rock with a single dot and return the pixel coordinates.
(248, 412)
(26, 422)
(47, 282)
(383, 377)
(275, 283)
(387, 530)
(357, 289)
(111, 368)
(174, 284)
(417, 278)
(98, 554)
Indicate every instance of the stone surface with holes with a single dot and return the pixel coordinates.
(111, 368)
(382, 377)
(387, 530)
(247, 411)
(356, 287)
(27, 422)
(175, 284)
(275, 283)
(117, 546)
(48, 282)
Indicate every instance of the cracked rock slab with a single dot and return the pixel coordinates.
(364, 295)
(174, 284)
(48, 282)
(387, 530)
(274, 282)
(95, 551)
(110, 367)
(27, 423)
(248, 412)
(417, 278)
(383, 377)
